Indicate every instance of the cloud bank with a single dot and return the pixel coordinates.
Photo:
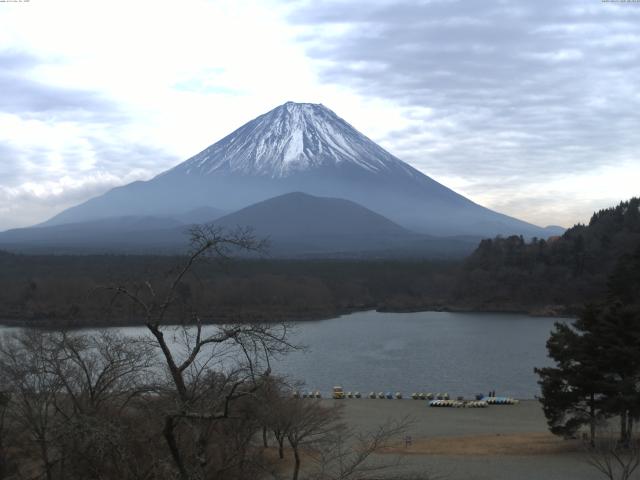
(514, 103)
(59, 146)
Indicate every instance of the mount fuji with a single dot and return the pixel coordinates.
(300, 147)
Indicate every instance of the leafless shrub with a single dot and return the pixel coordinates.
(613, 459)
(347, 454)
(32, 394)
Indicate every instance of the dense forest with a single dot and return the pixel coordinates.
(558, 274)
(553, 276)
(65, 289)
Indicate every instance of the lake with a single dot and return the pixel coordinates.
(456, 353)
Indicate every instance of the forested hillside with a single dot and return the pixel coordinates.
(560, 273)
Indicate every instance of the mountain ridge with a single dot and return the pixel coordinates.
(305, 148)
(298, 213)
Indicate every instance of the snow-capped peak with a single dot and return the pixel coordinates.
(291, 138)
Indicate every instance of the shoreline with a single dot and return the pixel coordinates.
(559, 312)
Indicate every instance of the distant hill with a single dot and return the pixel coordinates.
(117, 234)
(570, 269)
(297, 225)
(298, 214)
(132, 234)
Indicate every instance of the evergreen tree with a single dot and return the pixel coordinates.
(571, 391)
(597, 372)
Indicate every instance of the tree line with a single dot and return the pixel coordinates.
(61, 291)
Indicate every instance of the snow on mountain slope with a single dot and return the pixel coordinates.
(291, 138)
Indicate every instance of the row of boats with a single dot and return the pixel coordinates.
(315, 394)
(481, 403)
(435, 400)
(459, 403)
(430, 396)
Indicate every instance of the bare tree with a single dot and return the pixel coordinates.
(209, 369)
(347, 454)
(102, 370)
(614, 459)
(335, 452)
(66, 394)
(32, 392)
(271, 408)
(308, 424)
(279, 424)
(100, 374)
(4, 461)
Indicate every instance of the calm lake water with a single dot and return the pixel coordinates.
(456, 353)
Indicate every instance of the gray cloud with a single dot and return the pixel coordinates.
(39, 178)
(34, 98)
(501, 92)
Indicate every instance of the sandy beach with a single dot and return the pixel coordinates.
(506, 442)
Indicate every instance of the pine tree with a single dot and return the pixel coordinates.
(571, 395)
(597, 372)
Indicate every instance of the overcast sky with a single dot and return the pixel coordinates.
(531, 108)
